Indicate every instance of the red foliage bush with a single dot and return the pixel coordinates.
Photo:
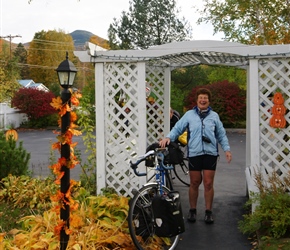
(228, 100)
(35, 103)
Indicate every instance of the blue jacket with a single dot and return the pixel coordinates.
(211, 127)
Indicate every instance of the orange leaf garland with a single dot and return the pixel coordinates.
(56, 103)
(66, 138)
(73, 116)
(65, 108)
(75, 132)
(75, 101)
(55, 145)
(57, 197)
(58, 227)
(56, 168)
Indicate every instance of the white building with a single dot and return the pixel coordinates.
(31, 84)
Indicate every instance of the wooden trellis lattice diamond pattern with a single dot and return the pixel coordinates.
(274, 75)
(121, 125)
(155, 111)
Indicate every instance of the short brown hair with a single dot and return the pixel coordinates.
(203, 91)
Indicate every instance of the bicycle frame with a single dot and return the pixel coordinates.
(160, 168)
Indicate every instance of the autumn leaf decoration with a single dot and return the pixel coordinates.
(59, 198)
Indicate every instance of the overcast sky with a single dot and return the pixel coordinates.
(17, 17)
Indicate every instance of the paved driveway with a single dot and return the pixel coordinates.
(38, 144)
(230, 193)
(230, 196)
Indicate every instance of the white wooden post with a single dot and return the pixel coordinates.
(100, 127)
(253, 132)
(167, 91)
(142, 130)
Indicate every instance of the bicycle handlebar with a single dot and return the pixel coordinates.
(134, 165)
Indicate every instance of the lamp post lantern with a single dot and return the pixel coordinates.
(66, 72)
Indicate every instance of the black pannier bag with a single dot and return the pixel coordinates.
(168, 217)
(173, 156)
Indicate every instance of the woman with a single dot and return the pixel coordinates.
(205, 131)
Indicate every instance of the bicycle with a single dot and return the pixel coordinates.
(142, 218)
(181, 170)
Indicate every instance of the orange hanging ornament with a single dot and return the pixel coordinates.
(278, 111)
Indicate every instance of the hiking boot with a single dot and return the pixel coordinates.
(191, 215)
(208, 219)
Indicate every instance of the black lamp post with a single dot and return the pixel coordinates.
(66, 72)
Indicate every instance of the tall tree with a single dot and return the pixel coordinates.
(20, 54)
(231, 74)
(46, 51)
(9, 74)
(147, 23)
(189, 77)
(249, 21)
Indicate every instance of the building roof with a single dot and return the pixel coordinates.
(26, 83)
(31, 84)
(186, 53)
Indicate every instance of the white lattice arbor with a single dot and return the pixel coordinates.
(267, 147)
(126, 123)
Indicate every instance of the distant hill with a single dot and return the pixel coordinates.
(80, 38)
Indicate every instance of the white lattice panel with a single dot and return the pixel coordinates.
(121, 123)
(274, 143)
(121, 104)
(155, 111)
(121, 108)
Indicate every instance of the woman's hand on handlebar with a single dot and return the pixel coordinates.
(164, 142)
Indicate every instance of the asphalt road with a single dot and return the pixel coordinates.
(229, 199)
(38, 144)
(230, 192)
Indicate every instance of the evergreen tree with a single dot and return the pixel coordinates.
(20, 54)
(147, 23)
(14, 158)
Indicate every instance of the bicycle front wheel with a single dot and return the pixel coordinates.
(181, 171)
(141, 221)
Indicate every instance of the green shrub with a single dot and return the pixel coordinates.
(43, 122)
(228, 100)
(271, 217)
(86, 120)
(14, 158)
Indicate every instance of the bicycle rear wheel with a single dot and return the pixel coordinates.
(182, 171)
(141, 220)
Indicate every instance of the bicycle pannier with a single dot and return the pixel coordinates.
(173, 156)
(168, 217)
